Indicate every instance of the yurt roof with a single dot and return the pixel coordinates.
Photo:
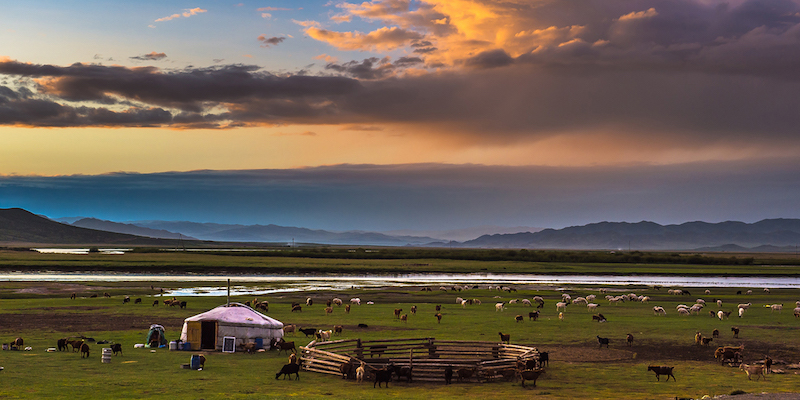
(237, 313)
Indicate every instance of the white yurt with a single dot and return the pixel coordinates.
(229, 326)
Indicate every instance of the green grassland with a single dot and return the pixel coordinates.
(579, 369)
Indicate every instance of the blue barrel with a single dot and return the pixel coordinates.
(195, 362)
(187, 346)
(259, 343)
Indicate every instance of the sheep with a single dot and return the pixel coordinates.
(579, 300)
(438, 318)
(757, 370)
(138, 300)
(749, 292)
(438, 307)
(526, 302)
(284, 346)
(599, 318)
(566, 297)
(356, 301)
(505, 337)
(603, 341)
(384, 375)
(73, 296)
(684, 311)
(561, 306)
(84, 350)
(309, 301)
(662, 370)
(414, 310)
(591, 307)
(707, 291)
(645, 299)
(464, 303)
(448, 373)
(533, 315)
(719, 303)
(797, 312)
(465, 373)
(288, 370)
(741, 312)
(297, 308)
(360, 372)
(590, 298)
(499, 307)
(561, 316)
(720, 315)
(629, 339)
(778, 307)
(459, 300)
(155, 303)
(530, 375)
(745, 305)
(513, 301)
(539, 299)
(658, 310)
(735, 331)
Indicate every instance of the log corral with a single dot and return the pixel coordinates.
(428, 356)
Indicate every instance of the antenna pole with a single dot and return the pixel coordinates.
(229, 292)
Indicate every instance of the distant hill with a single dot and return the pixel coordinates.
(109, 226)
(280, 234)
(20, 226)
(773, 233)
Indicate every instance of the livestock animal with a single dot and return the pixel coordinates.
(526, 302)
(347, 308)
(561, 316)
(561, 306)
(499, 307)
(76, 344)
(95, 296)
(138, 300)
(505, 337)
(768, 364)
(84, 350)
(719, 303)
(397, 312)
(249, 348)
(292, 358)
(155, 303)
(544, 358)
(62, 344)
(324, 335)
(309, 301)
(448, 374)
(591, 307)
(308, 331)
(707, 340)
(17, 343)
(414, 310)
(360, 372)
(73, 296)
(406, 372)
(126, 299)
(337, 329)
(715, 333)
(662, 370)
(518, 318)
(603, 341)
(289, 328)
(438, 307)
(439, 318)
(182, 304)
(116, 348)
(533, 315)
(337, 301)
(741, 312)
(297, 308)
(731, 354)
(404, 318)
(530, 375)
(757, 370)
(698, 338)
(288, 370)
(328, 310)
(735, 331)
(465, 373)
(629, 339)
(285, 346)
(776, 307)
(356, 301)
(363, 326)
(797, 312)
(384, 375)
(347, 370)
(599, 318)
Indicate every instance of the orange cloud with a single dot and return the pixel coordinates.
(381, 39)
(186, 14)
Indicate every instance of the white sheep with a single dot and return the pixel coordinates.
(526, 302)
(797, 303)
(707, 291)
(766, 290)
(745, 305)
(513, 301)
(719, 303)
(590, 298)
(539, 299)
(741, 312)
(579, 300)
(679, 306)
(696, 308)
(720, 315)
(499, 307)
(464, 303)
(683, 311)
(658, 310)
(797, 312)
(476, 301)
(749, 292)
(356, 301)
(561, 306)
(645, 299)
(459, 300)
(337, 301)
(566, 297)
(700, 301)
(778, 307)
(591, 307)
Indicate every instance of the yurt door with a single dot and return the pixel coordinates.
(209, 335)
(194, 334)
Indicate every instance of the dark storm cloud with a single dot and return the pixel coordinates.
(153, 56)
(379, 197)
(270, 41)
(370, 68)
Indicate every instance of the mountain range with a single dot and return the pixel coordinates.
(769, 235)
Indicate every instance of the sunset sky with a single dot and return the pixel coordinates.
(397, 114)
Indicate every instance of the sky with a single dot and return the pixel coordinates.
(398, 114)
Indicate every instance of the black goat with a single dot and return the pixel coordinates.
(603, 341)
(288, 370)
(383, 375)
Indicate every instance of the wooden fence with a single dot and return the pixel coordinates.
(428, 356)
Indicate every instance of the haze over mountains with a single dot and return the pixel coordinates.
(17, 225)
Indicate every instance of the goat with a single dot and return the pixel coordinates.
(62, 344)
(397, 312)
(383, 375)
(84, 350)
(360, 372)
(518, 318)
(288, 328)
(561, 316)
(438, 307)
(715, 333)
(182, 304)
(505, 337)
(281, 346)
(249, 348)
(439, 318)
(662, 370)
(346, 369)
(603, 341)
(155, 303)
(297, 308)
(73, 296)
(347, 308)
(138, 300)
(328, 310)
(448, 374)
(735, 331)
(629, 339)
(465, 373)
(757, 370)
(126, 299)
(406, 372)
(544, 358)
(404, 318)
(533, 315)
(116, 348)
(707, 340)
(288, 370)
(531, 375)
(768, 364)
(308, 331)
(698, 338)
(414, 310)
(599, 318)
(337, 329)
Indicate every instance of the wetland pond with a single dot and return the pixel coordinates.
(215, 285)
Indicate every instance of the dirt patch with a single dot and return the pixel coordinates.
(68, 322)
